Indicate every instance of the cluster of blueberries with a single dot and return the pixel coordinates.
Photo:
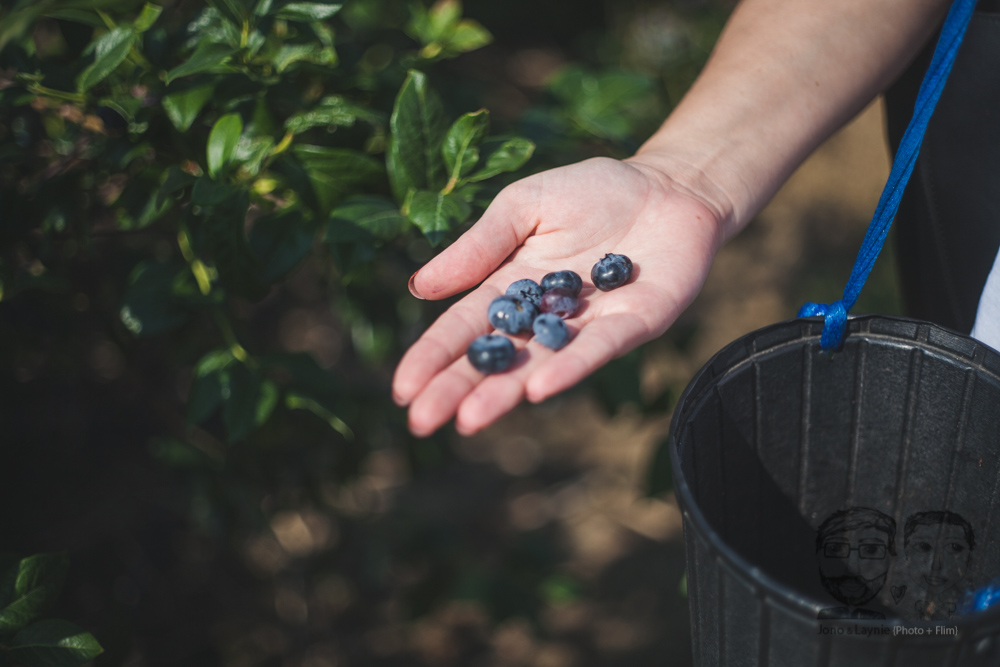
(541, 308)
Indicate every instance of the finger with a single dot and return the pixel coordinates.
(438, 401)
(443, 342)
(465, 263)
(498, 394)
(600, 341)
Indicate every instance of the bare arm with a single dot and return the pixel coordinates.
(784, 75)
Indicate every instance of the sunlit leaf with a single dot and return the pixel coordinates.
(222, 143)
(460, 149)
(111, 50)
(147, 17)
(206, 57)
(307, 11)
(503, 156)
(417, 128)
(52, 644)
(184, 106)
(436, 214)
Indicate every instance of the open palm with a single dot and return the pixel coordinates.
(566, 218)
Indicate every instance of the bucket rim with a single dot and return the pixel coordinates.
(977, 624)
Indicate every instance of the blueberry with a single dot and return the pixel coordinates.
(491, 354)
(611, 271)
(526, 290)
(566, 279)
(551, 331)
(559, 301)
(512, 315)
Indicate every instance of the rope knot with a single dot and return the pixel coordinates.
(834, 322)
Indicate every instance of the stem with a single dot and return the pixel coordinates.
(237, 350)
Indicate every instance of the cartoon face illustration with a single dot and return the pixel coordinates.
(937, 548)
(854, 548)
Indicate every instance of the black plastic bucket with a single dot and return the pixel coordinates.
(837, 507)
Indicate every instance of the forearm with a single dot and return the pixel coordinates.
(784, 75)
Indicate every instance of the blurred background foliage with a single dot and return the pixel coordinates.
(209, 211)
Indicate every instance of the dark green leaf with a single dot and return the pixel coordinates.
(147, 17)
(509, 155)
(280, 241)
(174, 180)
(206, 57)
(417, 129)
(184, 106)
(111, 50)
(204, 398)
(307, 11)
(240, 394)
(289, 54)
(222, 143)
(460, 144)
(331, 111)
(661, 476)
(76, 16)
(361, 218)
(207, 192)
(36, 585)
(52, 644)
(436, 214)
(233, 10)
(149, 306)
(222, 229)
(335, 173)
(267, 400)
(307, 377)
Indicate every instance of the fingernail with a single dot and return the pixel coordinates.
(412, 285)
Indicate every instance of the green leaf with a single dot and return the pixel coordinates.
(332, 111)
(204, 398)
(307, 377)
(173, 181)
(52, 644)
(468, 36)
(111, 50)
(661, 477)
(251, 153)
(417, 129)
(207, 192)
(360, 218)
(184, 106)
(233, 10)
(296, 402)
(460, 150)
(222, 230)
(436, 214)
(335, 173)
(267, 400)
(241, 393)
(149, 306)
(307, 11)
(222, 143)
(35, 585)
(75, 16)
(280, 241)
(147, 17)
(509, 155)
(206, 57)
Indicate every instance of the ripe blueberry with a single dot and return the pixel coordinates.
(491, 354)
(526, 290)
(567, 279)
(559, 301)
(550, 331)
(611, 271)
(512, 315)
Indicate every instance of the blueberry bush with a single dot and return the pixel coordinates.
(209, 210)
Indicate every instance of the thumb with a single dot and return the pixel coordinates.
(469, 260)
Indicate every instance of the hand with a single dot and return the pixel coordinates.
(565, 218)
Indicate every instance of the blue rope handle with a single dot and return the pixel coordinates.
(835, 314)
